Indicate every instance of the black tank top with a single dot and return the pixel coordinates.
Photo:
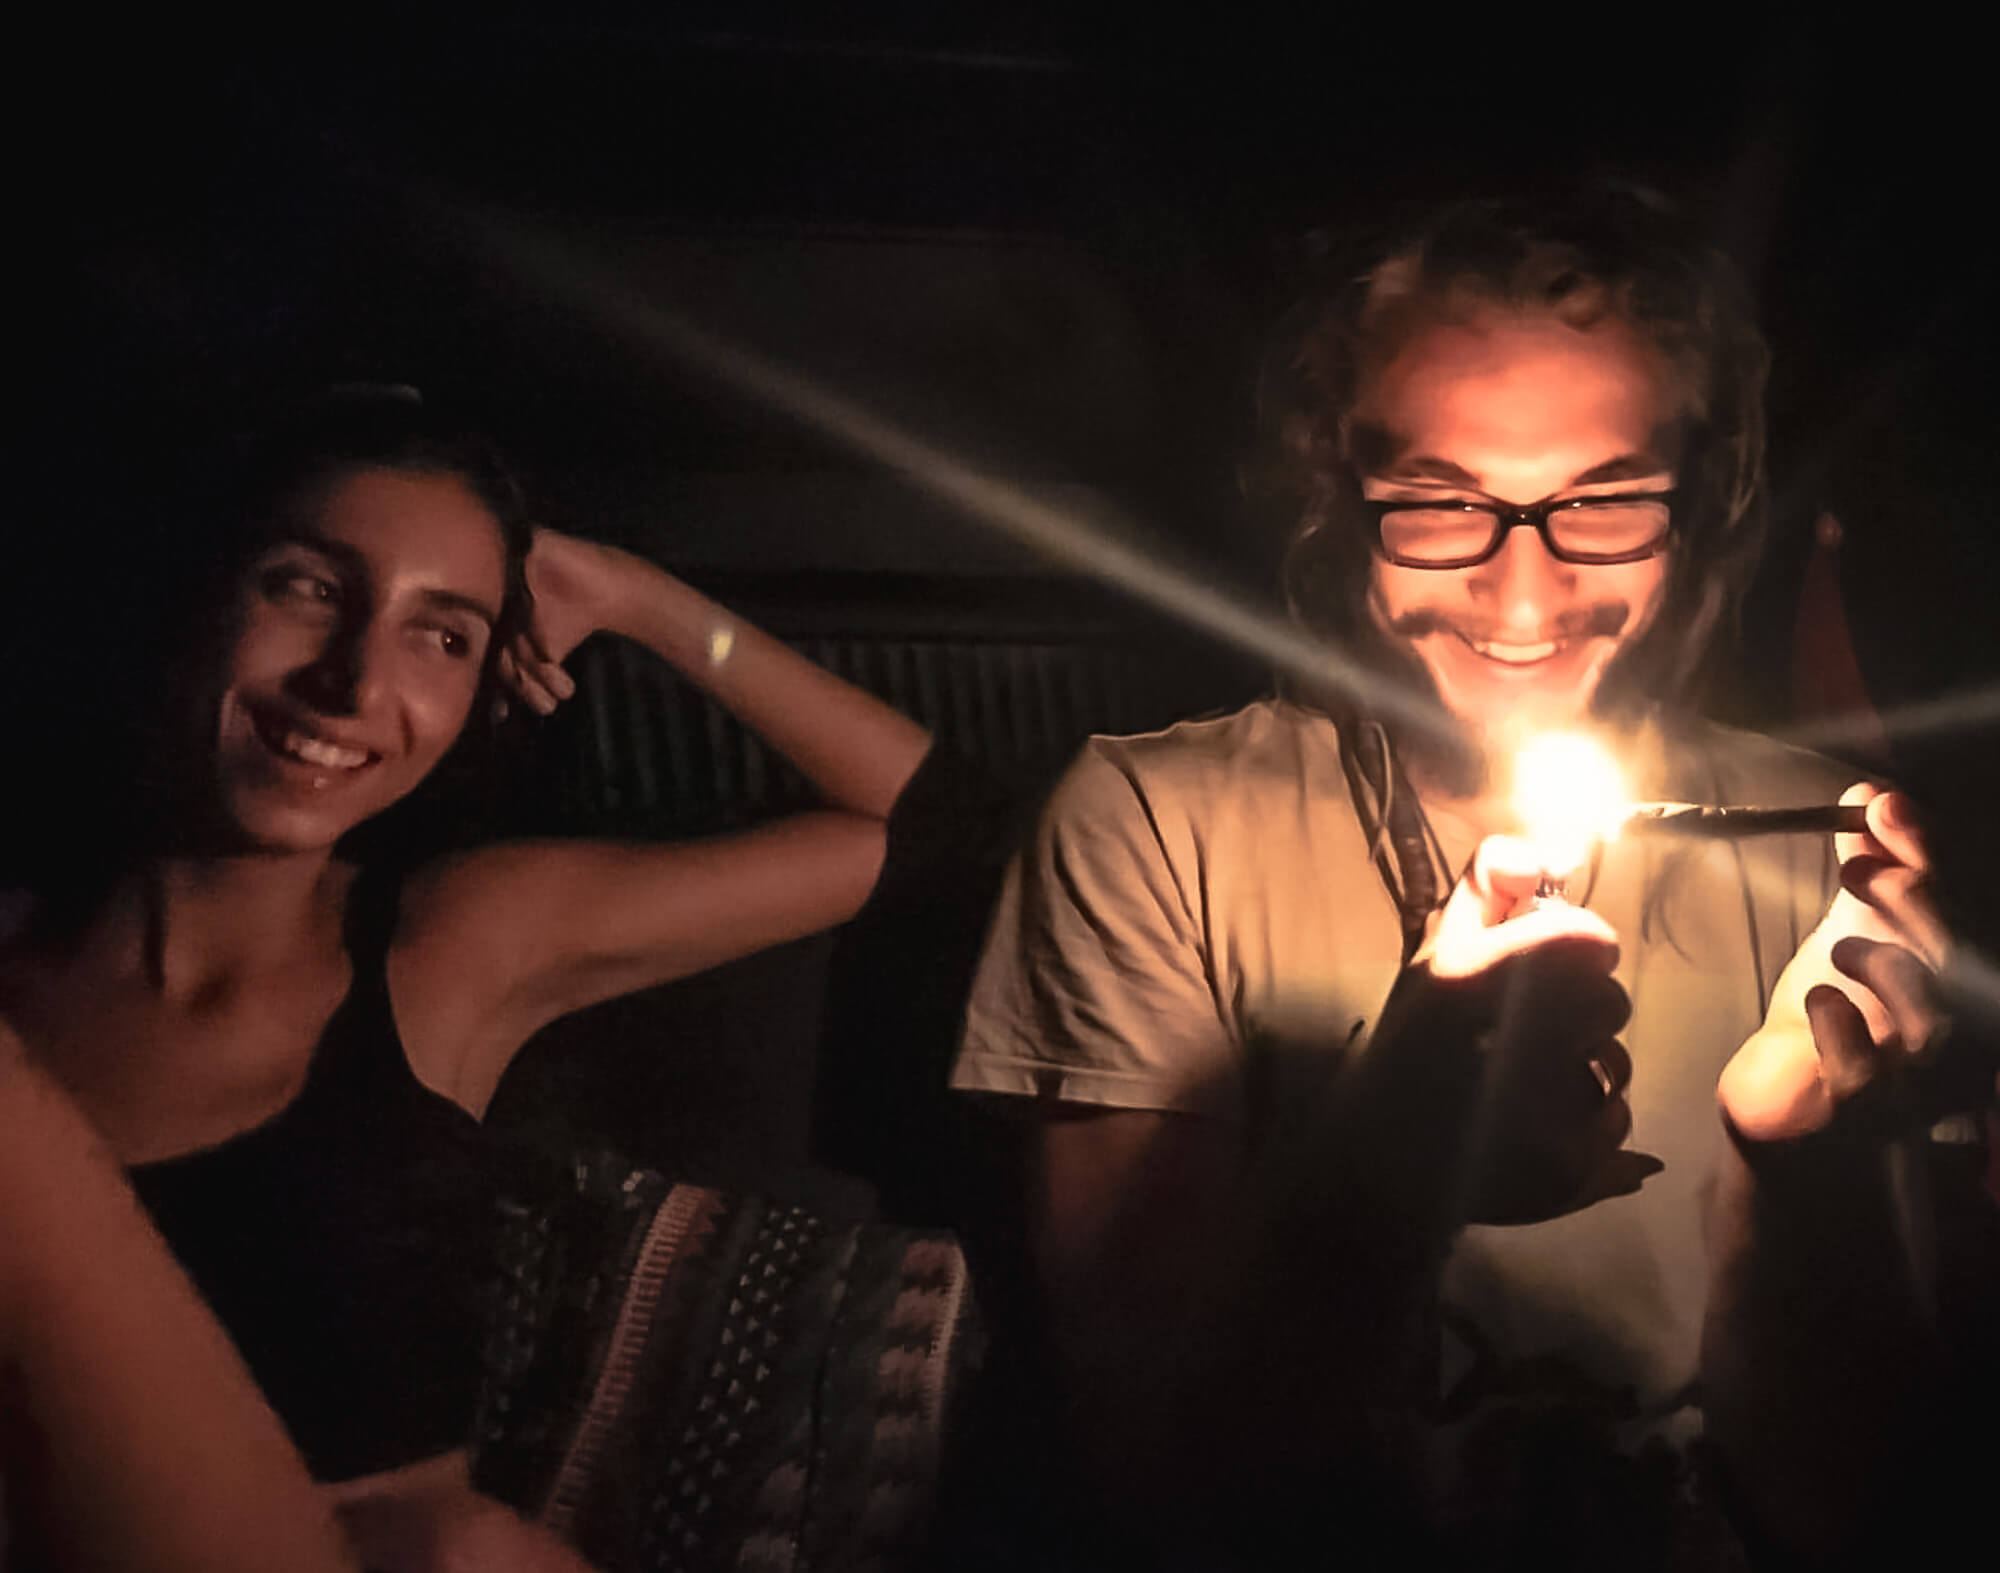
(344, 1242)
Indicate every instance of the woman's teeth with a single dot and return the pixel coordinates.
(1515, 654)
(328, 756)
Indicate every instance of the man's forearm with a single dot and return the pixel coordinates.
(1817, 1361)
(1233, 1323)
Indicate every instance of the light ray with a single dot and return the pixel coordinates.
(1119, 557)
(1967, 710)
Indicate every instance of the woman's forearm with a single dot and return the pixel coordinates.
(147, 1444)
(858, 751)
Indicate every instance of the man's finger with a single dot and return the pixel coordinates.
(1847, 1060)
(1892, 821)
(1611, 1066)
(1466, 944)
(1900, 894)
(1862, 843)
(1902, 984)
(1566, 983)
(1507, 871)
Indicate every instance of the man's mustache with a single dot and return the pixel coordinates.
(1605, 620)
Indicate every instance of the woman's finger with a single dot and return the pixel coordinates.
(530, 687)
(552, 680)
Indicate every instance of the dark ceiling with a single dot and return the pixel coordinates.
(1053, 244)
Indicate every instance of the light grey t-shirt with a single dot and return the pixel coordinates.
(1200, 897)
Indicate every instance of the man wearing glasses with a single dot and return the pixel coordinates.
(1347, 1193)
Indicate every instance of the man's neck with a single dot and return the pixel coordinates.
(1473, 784)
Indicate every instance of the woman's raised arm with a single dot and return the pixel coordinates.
(856, 750)
(498, 942)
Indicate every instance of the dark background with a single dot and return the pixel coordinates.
(1054, 245)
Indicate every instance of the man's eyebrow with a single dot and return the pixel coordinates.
(1626, 467)
(454, 600)
(1428, 467)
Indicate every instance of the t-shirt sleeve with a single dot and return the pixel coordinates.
(1094, 986)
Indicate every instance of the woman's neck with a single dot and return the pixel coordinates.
(183, 923)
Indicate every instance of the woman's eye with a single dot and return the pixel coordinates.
(303, 585)
(453, 643)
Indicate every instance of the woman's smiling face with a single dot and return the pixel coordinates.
(1516, 406)
(361, 634)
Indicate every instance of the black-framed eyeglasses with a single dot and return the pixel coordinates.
(1593, 531)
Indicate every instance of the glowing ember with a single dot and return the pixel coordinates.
(1568, 792)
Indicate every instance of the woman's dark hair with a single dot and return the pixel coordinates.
(132, 627)
(285, 469)
(283, 473)
(1588, 254)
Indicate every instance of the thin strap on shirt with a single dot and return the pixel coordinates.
(1399, 836)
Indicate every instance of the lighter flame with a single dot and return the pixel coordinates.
(1568, 793)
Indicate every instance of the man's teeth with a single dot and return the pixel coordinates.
(1515, 654)
(329, 756)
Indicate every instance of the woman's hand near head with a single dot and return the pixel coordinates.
(856, 750)
(578, 588)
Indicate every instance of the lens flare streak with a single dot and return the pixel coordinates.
(1118, 558)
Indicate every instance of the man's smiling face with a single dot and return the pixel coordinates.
(1518, 407)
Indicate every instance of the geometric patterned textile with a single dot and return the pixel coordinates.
(684, 1379)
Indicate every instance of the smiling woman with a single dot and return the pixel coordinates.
(360, 644)
(291, 1052)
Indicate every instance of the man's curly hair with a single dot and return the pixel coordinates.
(1586, 255)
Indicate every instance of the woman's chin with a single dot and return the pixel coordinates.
(275, 823)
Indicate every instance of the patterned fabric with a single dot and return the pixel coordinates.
(683, 1379)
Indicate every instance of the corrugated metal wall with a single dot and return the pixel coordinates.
(643, 751)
